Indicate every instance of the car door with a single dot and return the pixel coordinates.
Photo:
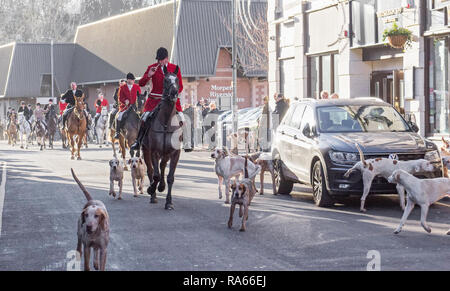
(282, 140)
(302, 145)
(291, 134)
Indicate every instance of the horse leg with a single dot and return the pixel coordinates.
(72, 145)
(148, 162)
(80, 145)
(171, 179)
(156, 176)
(162, 183)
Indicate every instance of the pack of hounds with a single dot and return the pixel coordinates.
(93, 224)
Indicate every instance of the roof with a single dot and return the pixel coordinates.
(201, 33)
(129, 41)
(204, 28)
(71, 63)
(6, 52)
(343, 102)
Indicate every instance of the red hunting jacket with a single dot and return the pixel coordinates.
(125, 94)
(158, 86)
(104, 104)
(62, 107)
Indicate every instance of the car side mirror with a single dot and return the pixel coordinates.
(309, 131)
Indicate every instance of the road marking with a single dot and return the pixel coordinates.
(2, 194)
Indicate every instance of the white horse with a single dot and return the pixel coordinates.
(24, 129)
(102, 127)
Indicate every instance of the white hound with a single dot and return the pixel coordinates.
(385, 167)
(422, 192)
(228, 167)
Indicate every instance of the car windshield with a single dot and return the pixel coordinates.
(360, 118)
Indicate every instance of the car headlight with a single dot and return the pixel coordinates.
(433, 156)
(343, 158)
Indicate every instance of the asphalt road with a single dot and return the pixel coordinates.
(42, 205)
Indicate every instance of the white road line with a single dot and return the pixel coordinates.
(2, 194)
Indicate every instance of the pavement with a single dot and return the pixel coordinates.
(42, 204)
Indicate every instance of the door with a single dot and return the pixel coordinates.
(302, 146)
(291, 135)
(389, 86)
(381, 86)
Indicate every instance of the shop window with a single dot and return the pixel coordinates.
(46, 87)
(437, 14)
(323, 75)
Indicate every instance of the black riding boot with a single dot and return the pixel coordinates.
(118, 128)
(137, 144)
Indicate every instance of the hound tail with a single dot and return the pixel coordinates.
(361, 154)
(86, 193)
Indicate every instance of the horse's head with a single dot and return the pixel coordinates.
(171, 85)
(104, 111)
(79, 102)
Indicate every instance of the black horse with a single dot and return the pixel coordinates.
(162, 141)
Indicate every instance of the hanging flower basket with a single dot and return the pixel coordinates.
(397, 41)
(398, 37)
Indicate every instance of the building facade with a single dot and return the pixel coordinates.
(338, 46)
(198, 39)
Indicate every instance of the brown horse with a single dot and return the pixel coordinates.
(12, 131)
(162, 141)
(76, 126)
(128, 135)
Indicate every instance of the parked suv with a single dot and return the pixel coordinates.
(315, 145)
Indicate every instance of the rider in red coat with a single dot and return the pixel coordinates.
(127, 98)
(155, 73)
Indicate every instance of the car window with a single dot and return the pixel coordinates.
(308, 118)
(297, 116)
(362, 118)
(287, 119)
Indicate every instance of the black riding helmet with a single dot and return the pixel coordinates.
(162, 54)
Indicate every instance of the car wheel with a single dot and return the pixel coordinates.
(320, 193)
(284, 187)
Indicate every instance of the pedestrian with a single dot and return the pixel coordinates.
(324, 95)
(189, 112)
(156, 74)
(264, 126)
(281, 109)
(24, 109)
(213, 116)
(127, 98)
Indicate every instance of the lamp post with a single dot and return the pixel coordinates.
(234, 102)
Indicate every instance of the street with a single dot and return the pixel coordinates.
(42, 204)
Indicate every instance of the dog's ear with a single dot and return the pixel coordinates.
(141, 161)
(397, 176)
(110, 163)
(103, 220)
(129, 162)
(83, 213)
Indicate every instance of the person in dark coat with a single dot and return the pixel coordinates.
(69, 99)
(189, 112)
(26, 112)
(281, 109)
